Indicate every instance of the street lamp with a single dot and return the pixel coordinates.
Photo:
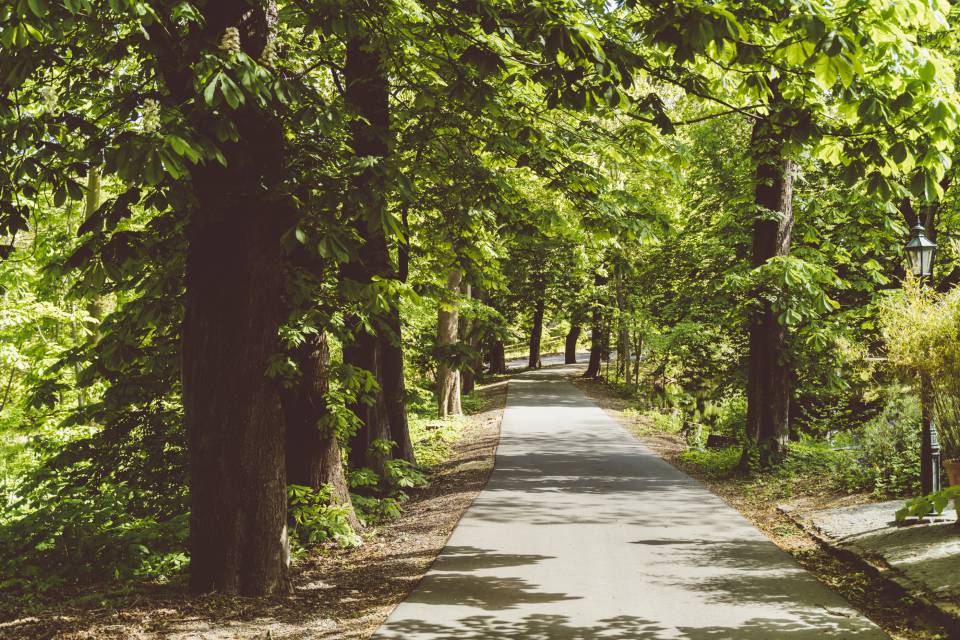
(920, 251)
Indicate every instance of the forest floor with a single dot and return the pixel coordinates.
(759, 498)
(339, 593)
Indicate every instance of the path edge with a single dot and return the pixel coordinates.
(486, 481)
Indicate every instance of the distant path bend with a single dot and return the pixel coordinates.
(583, 534)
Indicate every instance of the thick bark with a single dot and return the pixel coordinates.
(570, 345)
(394, 385)
(448, 376)
(363, 352)
(768, 382)
(536, 334)
(233, 311)
(232, 412)
(367, 97)
(313, 454)
(497, 357)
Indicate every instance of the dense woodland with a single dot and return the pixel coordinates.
(245, 244)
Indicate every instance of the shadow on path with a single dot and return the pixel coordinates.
(583, 534)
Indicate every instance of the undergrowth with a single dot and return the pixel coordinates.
(51, 550)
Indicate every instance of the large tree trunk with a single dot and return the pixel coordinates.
(363, 352)
(231, 410)
(233, 312)
(367, 97)
(394, 385)
(768, 382)
(448, 376)
(536, 334)
(570, 345)
(313, 454)
(497, 357)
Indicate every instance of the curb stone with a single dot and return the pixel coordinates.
(945, 612)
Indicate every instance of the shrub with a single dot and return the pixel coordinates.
(317, 518)
(730, 416)
(883, 456)
(920, 329)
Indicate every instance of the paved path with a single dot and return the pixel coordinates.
(549, 360)
(584, 534)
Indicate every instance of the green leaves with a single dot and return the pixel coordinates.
(924, 506)
(483, 59)
(925, 187)
(38, 7)
(222, 85)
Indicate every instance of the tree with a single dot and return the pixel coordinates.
(768, 383)
(367, 98)
(448, 374)
(233, 312)
(312, 450)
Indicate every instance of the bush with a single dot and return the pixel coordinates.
(883, 456)
(715, 463)
(730, 416)
(920, 329)
(317, 518)
(89, 540)
(666, 422)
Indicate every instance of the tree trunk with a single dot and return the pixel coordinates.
(596, 344)
(570, 346)
(596, 331)
(367, 97)
(313, 454)
(394, 385)
(637, 350)
(468, 334)
(233, 312)
(536, 334)
(468, 381)
(768, 382)
(91, 203)
(448, 376)
(623, 332)
(231, 411)
(498, 357)
(363, 352)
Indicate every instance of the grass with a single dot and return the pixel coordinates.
(432, 436)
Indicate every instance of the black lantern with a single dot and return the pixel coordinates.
(920, 250)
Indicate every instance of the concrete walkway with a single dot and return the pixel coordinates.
(583, 534)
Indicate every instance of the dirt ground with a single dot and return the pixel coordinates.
(878, 599)
(341, 594)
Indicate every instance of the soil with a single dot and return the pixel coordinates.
(880, 600)
(338, 593)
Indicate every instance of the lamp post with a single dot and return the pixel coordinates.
(920, 252)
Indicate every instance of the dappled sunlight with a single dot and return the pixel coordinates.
(582, 532)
